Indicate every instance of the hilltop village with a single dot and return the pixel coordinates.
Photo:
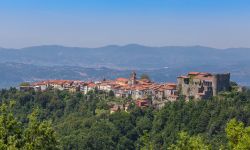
(194, 85)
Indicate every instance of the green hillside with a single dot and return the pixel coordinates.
(84, 121)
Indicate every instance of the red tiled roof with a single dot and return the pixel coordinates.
(203, 77)
(91, 85)
(170, 86)
(142, 103)
(60, 81)
(39, 83)
(193, 73)
(144, 81)
(185, 77)
(122, 79)
(205, 73)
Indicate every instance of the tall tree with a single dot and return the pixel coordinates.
(145, 76)
(15, 135)
(186, 142)
(10, 129)
(39, 135)
(238, 135)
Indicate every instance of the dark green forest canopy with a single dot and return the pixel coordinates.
(84, 121)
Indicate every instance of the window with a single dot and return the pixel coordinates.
(186, 81)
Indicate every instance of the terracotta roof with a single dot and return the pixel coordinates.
(39, 83)
(122, 79)
(193, 73)
(170, 87)
(91, 85)
(185, 77)
(142, 103)
(60, 81)
(203, 77)
(171, 84)
(205, 73)
(144, 81)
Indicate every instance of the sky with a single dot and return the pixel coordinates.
(95, 23)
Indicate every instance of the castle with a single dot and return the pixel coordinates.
(199, 85)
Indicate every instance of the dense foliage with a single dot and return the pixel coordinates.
(84, 121)
(15, 135)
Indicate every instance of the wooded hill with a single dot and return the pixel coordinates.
(84, 121)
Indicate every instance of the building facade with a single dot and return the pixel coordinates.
(199, 85)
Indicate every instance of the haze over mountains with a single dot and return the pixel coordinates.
(162, 63)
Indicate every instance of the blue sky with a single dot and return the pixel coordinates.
(93, 23)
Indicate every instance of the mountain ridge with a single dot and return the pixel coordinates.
(128, 56)
(126, 45)
(176, 59)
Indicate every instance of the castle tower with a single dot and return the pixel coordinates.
(221, 82)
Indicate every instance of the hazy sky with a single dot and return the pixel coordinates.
(93, 23)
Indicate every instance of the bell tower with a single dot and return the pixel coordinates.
(133, 78)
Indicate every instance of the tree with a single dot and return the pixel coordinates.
(10, 129)
(238, 135)
(101, 136)
(145, 76)
(143, 124)
(111, 93)
(78, 127)
(145, 142)
(125, 144)
(15, 135)
(186, 142)
(39, 135)
(25, 84)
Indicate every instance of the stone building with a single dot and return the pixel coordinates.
(200, 85)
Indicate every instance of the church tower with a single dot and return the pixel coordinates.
(133, 78)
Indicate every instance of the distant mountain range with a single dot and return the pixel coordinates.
(163, 63)
(129, 56)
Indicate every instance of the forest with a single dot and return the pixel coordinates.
(62, 120)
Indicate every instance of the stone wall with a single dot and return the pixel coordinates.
(221, 82)
(203, 88)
